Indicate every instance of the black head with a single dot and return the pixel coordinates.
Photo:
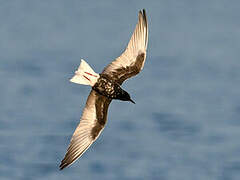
(124, 96)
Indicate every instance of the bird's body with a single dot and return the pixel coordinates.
(106, 87)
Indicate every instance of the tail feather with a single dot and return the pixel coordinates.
(85, 75)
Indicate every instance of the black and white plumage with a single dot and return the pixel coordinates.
(105, 87)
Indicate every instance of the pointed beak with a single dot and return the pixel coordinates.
(132, 101)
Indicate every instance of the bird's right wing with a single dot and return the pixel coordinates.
(133, 58)
(91, 124)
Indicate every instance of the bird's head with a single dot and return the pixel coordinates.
(124, 96)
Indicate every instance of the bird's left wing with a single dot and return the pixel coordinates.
(91, 124)
(133, 58)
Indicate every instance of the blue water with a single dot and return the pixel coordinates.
(185, 124)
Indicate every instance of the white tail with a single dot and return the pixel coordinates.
(85, 75)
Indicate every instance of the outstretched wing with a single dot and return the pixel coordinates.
(91, 124)
(132, 60)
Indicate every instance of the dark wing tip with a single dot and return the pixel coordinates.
(62, 165)
(144, 11)
(144, 15)
(65, 162)
(146, 24)
(68, 161)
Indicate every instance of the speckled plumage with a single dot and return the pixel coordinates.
(107, 87)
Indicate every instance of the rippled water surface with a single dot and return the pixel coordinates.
(185, 124)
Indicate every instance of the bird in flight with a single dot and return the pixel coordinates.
(106, 86)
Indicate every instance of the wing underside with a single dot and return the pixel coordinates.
(133, 58)
(93, 120)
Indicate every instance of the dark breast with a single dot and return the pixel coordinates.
(106, 86)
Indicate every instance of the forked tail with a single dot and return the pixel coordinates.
(85, 75)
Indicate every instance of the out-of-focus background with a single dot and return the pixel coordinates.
(185, 124)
